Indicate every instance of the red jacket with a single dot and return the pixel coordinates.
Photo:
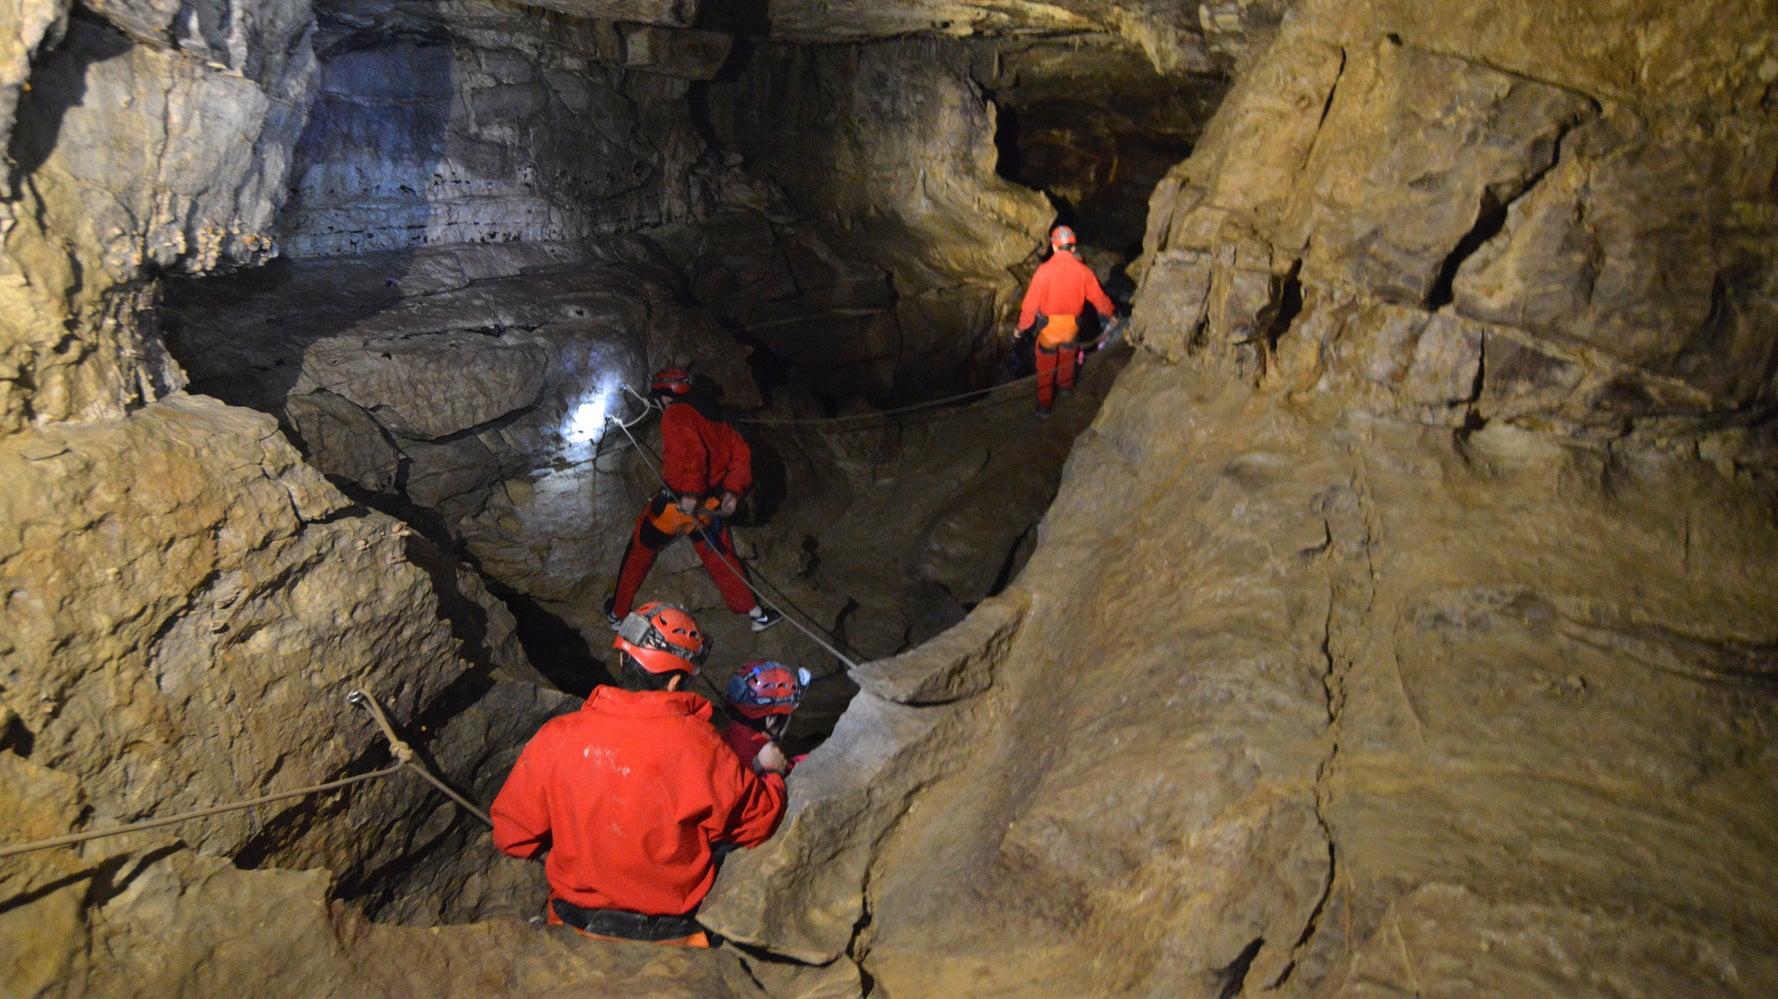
(747, 743)
(700, 455)
(627, 795)
(1063, 286)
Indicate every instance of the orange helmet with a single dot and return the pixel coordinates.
(1062, 238)
(764, 687)
(663, 639)
(676, 381)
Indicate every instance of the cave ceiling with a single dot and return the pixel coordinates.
(1175, 37)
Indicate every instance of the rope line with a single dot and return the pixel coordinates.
(404, 757)
(1109, 338)
(880, 414)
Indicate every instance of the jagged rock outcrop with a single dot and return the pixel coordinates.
(1176, 38)
(91, 209)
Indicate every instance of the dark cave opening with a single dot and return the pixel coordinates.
(1095, 128)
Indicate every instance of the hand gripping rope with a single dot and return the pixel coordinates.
(404, 757)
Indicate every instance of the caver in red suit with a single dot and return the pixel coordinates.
(707, 466)
(629, 794)
(760, 698)
(1060, 290)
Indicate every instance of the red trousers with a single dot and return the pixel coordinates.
(1055, 369)
(647, 540)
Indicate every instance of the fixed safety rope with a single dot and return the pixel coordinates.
(404, 757)
(878, 414)
(1106, 340)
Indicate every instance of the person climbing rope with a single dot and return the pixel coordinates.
(706, 466)
(630, 794)
(1060, 291)
(761, 696)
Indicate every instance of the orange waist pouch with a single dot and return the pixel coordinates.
(1058, 330)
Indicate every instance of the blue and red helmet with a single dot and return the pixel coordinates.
(674, 381)
(1061, 238)
(763, 687)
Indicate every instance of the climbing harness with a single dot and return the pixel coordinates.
(404, 757)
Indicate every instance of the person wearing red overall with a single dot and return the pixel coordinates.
(629, 796)
(761, 697)
(1060, 290)
(707, 466)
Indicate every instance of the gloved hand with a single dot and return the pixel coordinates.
(727, 507)
(687, 503)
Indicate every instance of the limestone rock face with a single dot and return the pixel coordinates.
(187, 606)
(464, 123)
(148, 145)
(1616, 275)
(1174, 37)
(893, 150)
(1404, 619)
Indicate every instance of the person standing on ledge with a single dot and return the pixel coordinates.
(632, 794)
(706, 467)
(1060, 290)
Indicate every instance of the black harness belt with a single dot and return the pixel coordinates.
(624, 924)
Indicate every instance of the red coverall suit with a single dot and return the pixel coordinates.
(703, 458)
(1061, 288)
(627, 795)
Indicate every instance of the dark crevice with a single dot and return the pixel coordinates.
(1490, 219)
(556, 648)
(1232, 977)
(1289, 305)
(16, 737)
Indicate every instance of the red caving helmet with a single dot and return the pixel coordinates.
(663, 639)
(764, 687)
(676, 381)
(1061, 238)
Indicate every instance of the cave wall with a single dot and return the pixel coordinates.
(1391, 627)
(191, 183)
(469, 123)
(187, 602)
(1405, 621)
(890, 146)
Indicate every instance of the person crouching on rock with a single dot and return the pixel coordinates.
(761, 697)
(628, 795)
